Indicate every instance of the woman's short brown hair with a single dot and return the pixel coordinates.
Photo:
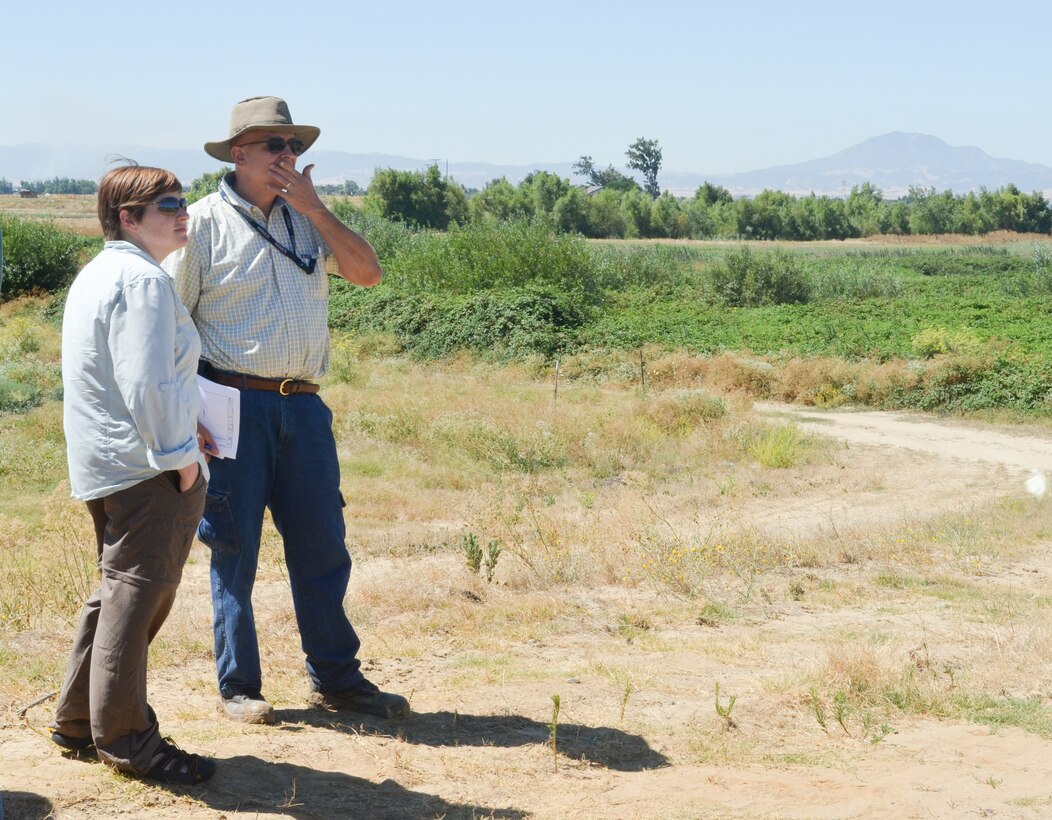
(131, 187)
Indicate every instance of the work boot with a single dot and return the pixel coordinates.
(247, 708)
(366, 698)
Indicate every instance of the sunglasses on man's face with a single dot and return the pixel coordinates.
(276, 145)
(171, 204)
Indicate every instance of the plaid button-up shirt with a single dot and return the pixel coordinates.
(257, 312)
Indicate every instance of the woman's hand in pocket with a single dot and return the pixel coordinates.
(188, 476)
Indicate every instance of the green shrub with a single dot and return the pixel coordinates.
(496, 255)
(37, 256)
(26, 383)
(657, 269)
(977, 262)
(499, 324)
(853, 281)
(1036, 280)
(16, 397)
(745, 279)
(387, 237)
(937, 341)
(981, 383)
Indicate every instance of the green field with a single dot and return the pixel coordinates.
(944, 323)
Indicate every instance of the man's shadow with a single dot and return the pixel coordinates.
(603, 746)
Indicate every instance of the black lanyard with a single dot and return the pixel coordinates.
(306, 265)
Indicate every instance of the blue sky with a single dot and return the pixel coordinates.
(723, 87)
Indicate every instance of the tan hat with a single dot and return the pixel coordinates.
(260, 114)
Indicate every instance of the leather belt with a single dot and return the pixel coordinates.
(242, 381)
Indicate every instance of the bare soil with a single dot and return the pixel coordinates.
(637, 735)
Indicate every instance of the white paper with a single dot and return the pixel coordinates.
(220, 415)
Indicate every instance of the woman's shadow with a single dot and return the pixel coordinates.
(247, 783)
(24, 806)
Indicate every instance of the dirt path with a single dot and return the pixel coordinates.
(638, 735)
(948, 441)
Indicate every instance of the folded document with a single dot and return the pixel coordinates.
(220, 415)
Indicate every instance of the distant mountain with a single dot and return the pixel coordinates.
(35, 161)
(892, 162)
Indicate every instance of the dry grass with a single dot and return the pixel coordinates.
(869, 242)
(71, 212)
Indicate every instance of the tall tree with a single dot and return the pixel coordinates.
(585, 167)
(610, 178)
(645, 156)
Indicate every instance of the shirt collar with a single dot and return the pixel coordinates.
(226, 187)
(124, 246)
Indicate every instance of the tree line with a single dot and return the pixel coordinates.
(55, 185)
(426, 199)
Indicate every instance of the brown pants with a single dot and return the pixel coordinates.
(149, 529)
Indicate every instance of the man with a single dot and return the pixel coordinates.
(253, 278)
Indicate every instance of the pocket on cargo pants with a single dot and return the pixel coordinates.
(218, 529)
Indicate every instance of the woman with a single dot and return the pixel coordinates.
(129, 364)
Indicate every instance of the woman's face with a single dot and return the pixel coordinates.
(162, 228)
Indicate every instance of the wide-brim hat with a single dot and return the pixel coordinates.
(260, 114)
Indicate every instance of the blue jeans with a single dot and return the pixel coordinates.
(286, 461)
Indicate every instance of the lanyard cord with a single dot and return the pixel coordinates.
(305, 266)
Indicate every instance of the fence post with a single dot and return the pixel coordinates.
(1, 288)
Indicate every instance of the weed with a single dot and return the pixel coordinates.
(713, 613)
(626, 693)
(724, 711)
(778, 446)
(818, 708)
(840, 710)
(632, 626)
(884, 730)
(472, 550)
(492, 554)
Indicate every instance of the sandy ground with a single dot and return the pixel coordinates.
(478, 744)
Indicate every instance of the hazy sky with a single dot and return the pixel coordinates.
(723, 86)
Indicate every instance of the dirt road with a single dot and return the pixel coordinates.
(950, 441)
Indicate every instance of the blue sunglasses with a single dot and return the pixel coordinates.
(171, 204)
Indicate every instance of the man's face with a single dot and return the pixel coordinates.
(253, 158)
